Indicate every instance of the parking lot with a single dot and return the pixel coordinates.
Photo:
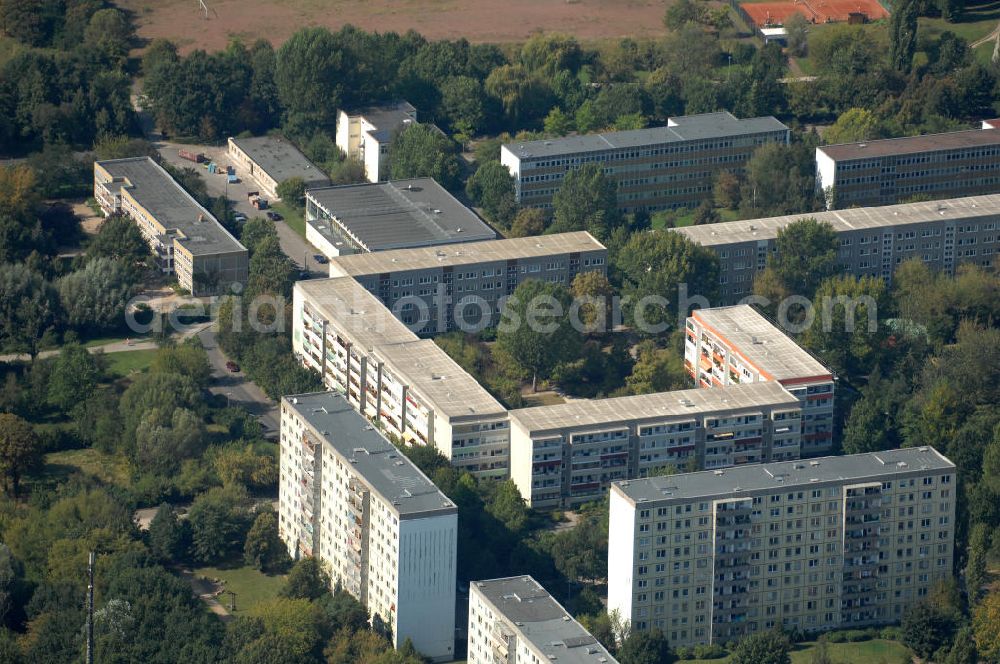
(293, 244)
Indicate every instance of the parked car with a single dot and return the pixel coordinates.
(239, 217)
(321, 259)
(274, 216)
(232, 366)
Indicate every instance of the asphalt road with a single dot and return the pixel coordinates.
(293, 244)
(237, 386)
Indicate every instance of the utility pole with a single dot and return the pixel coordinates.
(90, 607)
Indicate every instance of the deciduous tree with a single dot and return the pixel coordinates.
(19, 451)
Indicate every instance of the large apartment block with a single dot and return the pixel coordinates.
(359, 218)
(516, 621)
(831, 543)
(568, 454)
(873, 241)
(738, 346)
(409, 387)
(660, 168)
(957, 163)
(186, 240)
(365, 135)
(443, 288)
(382, 530)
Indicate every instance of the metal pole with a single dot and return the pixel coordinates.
(90, 608)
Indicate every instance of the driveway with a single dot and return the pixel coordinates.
(239, 389)
(293, 244)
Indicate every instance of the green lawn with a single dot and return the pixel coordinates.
(876, 651)
(251, 587)
(124, 363)
(293, 217)
(104, 468)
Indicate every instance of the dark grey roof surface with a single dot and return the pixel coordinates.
(384, 468)
(687, 128)
(280, 159)
(386, 119)
(743, 480)
(401, 214)
(161, 196)
(530, 610)
(952, 140)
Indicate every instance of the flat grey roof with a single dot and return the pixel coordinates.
(161, 196)
(842, 221)
(888, 147)
(679, 404)
(686, 128)
(754, 337)
(439, 379)
(400, 214)
(384, 468)
(280, 159)
(386, 118)
(420, 363)
(466, 254)
(742, 480)
(357, 313)
(541, 621)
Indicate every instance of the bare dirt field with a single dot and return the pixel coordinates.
(477, 20)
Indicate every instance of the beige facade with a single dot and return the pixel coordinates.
(270, 160)
(738, 346)
(410, 387)
(440, 289)
(365, 135)
(569, 454)
(184, 237)
(832, 543)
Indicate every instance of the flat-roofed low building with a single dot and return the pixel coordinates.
(410, 387)
(516, 621)
(365, 134)
(568, 454)
(659, 168)
(815, 545)
(184, 237)
(270, 160)
(739, 346)
(382, 530)
(439, 289)
(873, 241)
(402, 214)
(883, 172)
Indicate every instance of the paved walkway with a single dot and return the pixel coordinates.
(208, 592)
(113, 347)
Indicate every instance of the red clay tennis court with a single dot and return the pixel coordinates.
(763, 14)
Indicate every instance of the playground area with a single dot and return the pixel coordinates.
(767, 14)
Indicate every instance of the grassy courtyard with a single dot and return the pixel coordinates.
(126, 362)
(251, 586)
(876, 651)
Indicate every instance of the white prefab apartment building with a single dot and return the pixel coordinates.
(873, 240)
(361, 218)
(659, 168)
(568, 454)
(382, 530)
(516, 621)
(186, 240)
(365, 135)
(463, 286)
(829, 543)
(739, 346)
(409, 387)
(270, 160)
